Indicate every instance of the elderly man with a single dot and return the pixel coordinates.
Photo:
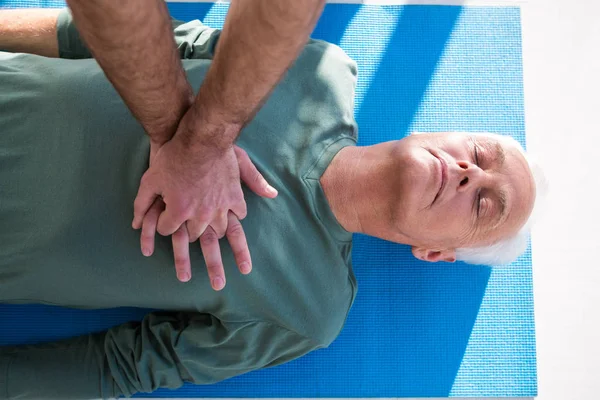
(72, 156)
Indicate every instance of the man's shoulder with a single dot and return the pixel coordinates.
(325, 75)
(330, 50)
(327, 57)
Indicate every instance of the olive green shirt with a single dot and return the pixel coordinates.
(71, 158)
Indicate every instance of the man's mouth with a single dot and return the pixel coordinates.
(443, 170)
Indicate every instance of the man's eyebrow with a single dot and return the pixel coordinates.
(500, 154)
(503, 198)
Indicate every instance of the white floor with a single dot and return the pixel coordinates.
(561, 46)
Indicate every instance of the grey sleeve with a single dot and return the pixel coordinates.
(165, 350)
(193, 39)
(70, 44)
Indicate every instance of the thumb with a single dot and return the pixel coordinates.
(143, 201)
(251, 177)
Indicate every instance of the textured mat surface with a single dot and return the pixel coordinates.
(416, 330)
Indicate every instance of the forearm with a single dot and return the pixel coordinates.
(121, 35)
(29, 31)
(259, 42)
(70, 369)
(126, 359)
(165, 350)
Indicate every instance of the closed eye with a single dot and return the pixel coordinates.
(476, 158)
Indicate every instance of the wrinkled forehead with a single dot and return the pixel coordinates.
(519, 182)
(508, 143)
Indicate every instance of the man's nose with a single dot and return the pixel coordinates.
(468, 176)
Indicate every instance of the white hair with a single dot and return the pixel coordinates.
(507, 250)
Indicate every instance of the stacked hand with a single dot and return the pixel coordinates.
(194, 193)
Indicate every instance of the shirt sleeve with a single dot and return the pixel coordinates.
(193, 39)
(165, 350)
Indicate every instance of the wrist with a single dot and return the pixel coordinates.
(163, 129)
(202, 130)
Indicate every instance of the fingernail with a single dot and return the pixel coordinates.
(146, 251)
(271, 190)
(185, 277)
(245, 267)
(218, 283)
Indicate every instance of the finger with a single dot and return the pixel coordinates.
(149, 227)
(170, 220)
(251, 177)
(219, 224)
(239, 209)
(209, 241)
(143, 201)
(238, 243)
(196, 228)
(181, 252)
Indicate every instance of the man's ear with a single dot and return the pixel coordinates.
(448, 255)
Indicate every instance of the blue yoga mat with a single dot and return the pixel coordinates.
(416, 329)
